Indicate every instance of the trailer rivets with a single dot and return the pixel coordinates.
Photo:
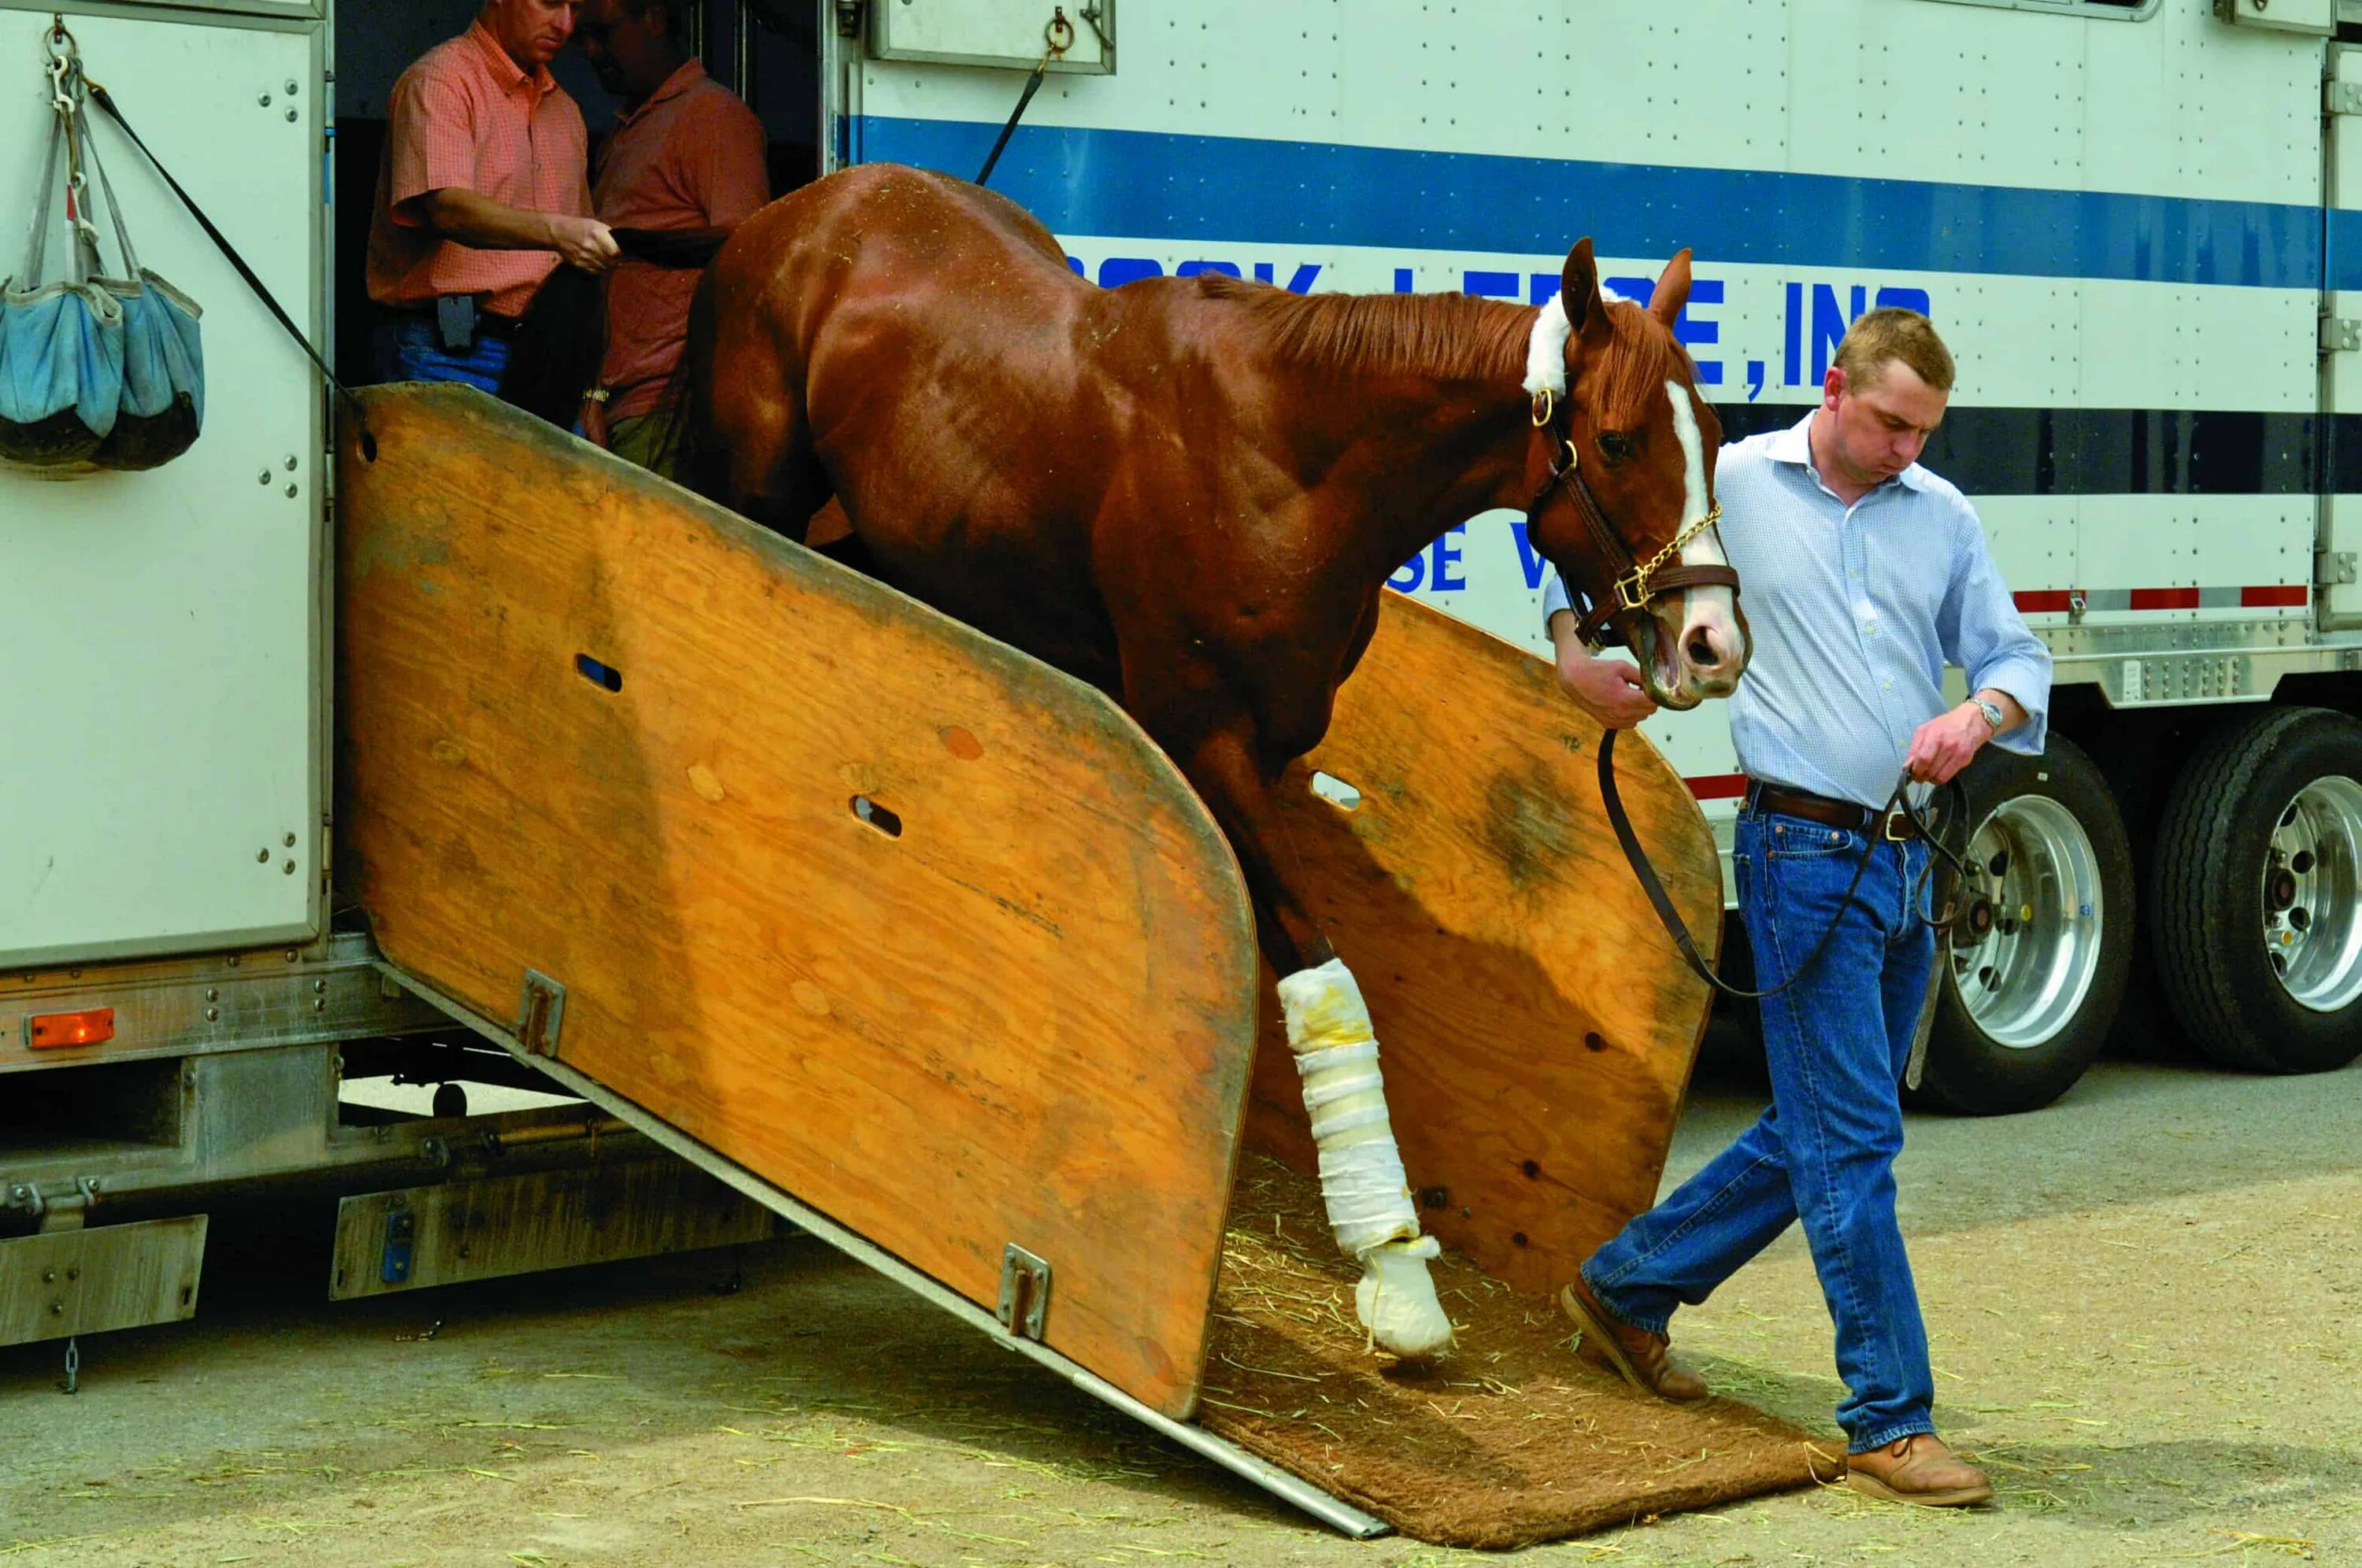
(262, 856)
(288, 841)
(212, 1015)
(291, 116)
(319, 1004)
(290, 462)
(292, 491)
(319, 986)
(263, 478)
(212, 993)
(264, 100)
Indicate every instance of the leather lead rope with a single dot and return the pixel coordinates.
(1676, 927)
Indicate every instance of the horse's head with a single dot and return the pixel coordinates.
(1623, 478)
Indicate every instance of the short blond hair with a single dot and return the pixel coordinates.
(1891, 333)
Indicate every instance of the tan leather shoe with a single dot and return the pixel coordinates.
(1638, 1356)
(1918, 1469)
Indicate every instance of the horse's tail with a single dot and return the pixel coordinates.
(684, 447)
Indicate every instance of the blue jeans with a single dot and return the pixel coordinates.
(407, 349)
(1837, 1042)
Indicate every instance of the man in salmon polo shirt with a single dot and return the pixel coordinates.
(481, 193)
(687, 157)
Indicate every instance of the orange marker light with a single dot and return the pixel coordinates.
(50, 1030)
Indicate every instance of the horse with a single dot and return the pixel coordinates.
(1189, 493)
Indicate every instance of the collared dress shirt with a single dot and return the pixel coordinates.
(466, 116)
(1856, 610)
(691, 157)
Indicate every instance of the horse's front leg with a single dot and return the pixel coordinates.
(1362, 1181)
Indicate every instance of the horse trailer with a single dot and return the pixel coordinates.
(2132, 222)
(2135, 223)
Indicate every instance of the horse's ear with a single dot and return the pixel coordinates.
(1673, 289)
(1578, 290)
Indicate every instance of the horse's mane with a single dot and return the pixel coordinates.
(1453, 336)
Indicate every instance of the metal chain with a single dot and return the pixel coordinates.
(1713, 516)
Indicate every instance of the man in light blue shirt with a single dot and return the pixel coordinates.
(1862, 575)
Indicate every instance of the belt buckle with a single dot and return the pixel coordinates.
(1888, 833)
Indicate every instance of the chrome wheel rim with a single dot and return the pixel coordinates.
(2313, 895)
(2026, 938)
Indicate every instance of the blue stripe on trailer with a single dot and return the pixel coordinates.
(1153, 184)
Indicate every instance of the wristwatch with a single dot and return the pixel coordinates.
(1991, 711)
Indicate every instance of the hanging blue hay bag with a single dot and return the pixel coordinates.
(163, 402)
(61, 359)
(101, 369)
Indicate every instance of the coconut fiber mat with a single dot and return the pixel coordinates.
(1506, 1441)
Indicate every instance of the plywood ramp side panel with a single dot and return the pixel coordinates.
(1010, 1003)
(1536, 1026)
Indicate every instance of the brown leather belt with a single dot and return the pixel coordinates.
(1895, 827)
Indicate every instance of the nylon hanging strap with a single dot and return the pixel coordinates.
(105, 101)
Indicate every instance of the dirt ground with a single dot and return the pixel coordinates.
(2145, 1305)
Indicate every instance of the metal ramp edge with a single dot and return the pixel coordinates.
(1283, 1485)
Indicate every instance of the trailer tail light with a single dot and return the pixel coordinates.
(52, 1030)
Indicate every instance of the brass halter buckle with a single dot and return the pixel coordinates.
(1632, 588)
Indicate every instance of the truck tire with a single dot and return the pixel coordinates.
(2257, 892)
(2031, 972)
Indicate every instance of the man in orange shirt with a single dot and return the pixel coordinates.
(687, 158)
(480, 194)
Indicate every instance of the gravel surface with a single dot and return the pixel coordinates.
(2145, 1305)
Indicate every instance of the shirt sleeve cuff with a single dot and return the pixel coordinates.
(1554, 599)
(2030, 687)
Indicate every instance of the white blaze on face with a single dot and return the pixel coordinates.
(1710, 611)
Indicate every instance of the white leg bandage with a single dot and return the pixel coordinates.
(1362, 1181)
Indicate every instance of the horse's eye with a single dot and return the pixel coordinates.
(1615, 445)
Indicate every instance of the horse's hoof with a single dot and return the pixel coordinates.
(1395, 1299)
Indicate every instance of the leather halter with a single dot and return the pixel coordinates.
(1633, 584)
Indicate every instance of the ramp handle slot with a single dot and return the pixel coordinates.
(879, 817)
(605, 677)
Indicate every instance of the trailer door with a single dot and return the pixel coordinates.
(2338, 593)
(159, 697)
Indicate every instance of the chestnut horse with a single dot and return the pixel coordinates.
(1190, 492)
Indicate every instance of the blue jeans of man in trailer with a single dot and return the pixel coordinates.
(407, 349)
(1837, 1042)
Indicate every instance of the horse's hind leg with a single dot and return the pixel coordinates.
(767, 469)
(749, 443)
(1362, 1180)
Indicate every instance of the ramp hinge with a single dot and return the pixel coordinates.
(2341, 98)
(540, 1014)
(2332, 568)
(2341, 334)
(1024, 1292)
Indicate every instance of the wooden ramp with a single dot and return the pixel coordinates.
(904, 921)
(925, 944)
(1535, 1025)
